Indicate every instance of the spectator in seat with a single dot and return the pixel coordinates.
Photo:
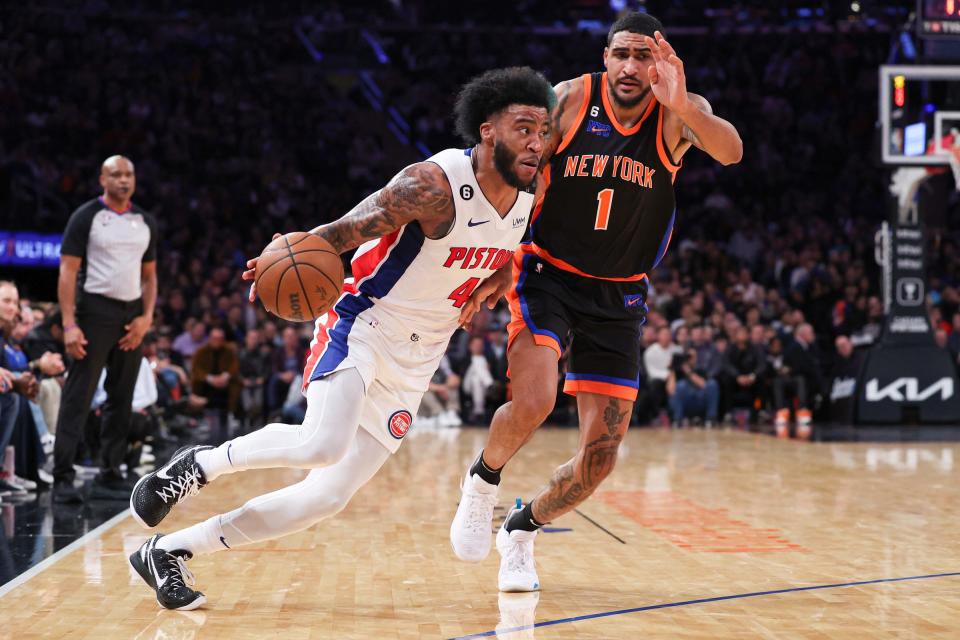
(477, 380)
(215, 376)
(187, 343)
(495, 350)
(440, 406)
(843, 381)
(15, 386)
(691, 392)
(657, 360)
(744, 366)
(288, 363)
(800, 377)
(255, 363)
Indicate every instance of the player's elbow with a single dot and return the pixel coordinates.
(734, 153)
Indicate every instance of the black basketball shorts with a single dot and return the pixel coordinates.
(598, 319)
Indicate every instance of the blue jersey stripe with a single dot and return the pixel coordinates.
(396, 263)
(337, 347)
(523, 303)
(666, 239)
(593, 377)
(378, 285)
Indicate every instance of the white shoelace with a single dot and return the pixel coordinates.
(180, 575)
(479, 511)
(519, 557)
(184, 485)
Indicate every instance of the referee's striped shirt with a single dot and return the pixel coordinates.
(113, 244)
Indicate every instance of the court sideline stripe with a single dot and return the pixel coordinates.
(46, 563)
(683, 603)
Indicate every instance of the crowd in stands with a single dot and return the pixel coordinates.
(241, 126)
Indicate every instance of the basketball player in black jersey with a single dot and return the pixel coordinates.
(603, 224)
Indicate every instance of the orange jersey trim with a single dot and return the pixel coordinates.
(517, 323)
(662, 149)
(573, 387)
(566, 266)
(572, 131)
(609, 109)
(545, 176)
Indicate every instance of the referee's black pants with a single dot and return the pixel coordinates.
(102, 321)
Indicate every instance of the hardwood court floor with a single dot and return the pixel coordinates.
(710, 517)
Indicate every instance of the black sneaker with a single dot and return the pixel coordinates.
(157, 492)
(166, 572)
(65, 493)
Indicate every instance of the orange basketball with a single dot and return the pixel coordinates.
(299, 276)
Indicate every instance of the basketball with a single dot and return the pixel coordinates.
(299, 276)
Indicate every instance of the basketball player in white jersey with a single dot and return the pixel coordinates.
(428, 240)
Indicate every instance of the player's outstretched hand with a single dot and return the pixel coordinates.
(489, 291)
(251, 273)
(667, 79)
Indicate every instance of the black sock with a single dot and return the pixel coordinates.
(523, 519)
(488, 475)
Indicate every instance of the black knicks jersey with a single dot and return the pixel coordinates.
(609, 208)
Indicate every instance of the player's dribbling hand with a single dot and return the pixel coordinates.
(251, 273)
(667, 79)
(489, 291)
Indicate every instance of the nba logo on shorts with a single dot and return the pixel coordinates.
(399, 423)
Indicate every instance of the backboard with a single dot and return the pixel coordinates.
(919, 113)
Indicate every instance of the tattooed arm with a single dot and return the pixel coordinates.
(419, 193)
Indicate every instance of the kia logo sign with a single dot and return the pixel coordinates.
(908, 390)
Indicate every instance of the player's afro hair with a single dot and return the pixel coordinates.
(634, 22)
(495, 90)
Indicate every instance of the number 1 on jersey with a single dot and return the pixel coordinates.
(604, 202)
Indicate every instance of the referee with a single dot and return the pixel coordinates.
(107, 291)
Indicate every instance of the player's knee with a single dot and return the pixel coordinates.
(323, 445)
(326, 505)
(324, 453)
(531, 409)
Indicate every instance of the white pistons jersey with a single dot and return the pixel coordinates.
(398, 311)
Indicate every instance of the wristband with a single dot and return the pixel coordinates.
(70, 327)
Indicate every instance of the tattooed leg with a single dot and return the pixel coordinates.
(603, 422)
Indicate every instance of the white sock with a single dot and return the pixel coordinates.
(216, 462)
(201, 538)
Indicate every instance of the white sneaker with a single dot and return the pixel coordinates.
(23, 483)
(471, 528)
(45, 476)
(426, 422)
(450, 418)
(517, 569)
(518, 614)
(47, 441)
